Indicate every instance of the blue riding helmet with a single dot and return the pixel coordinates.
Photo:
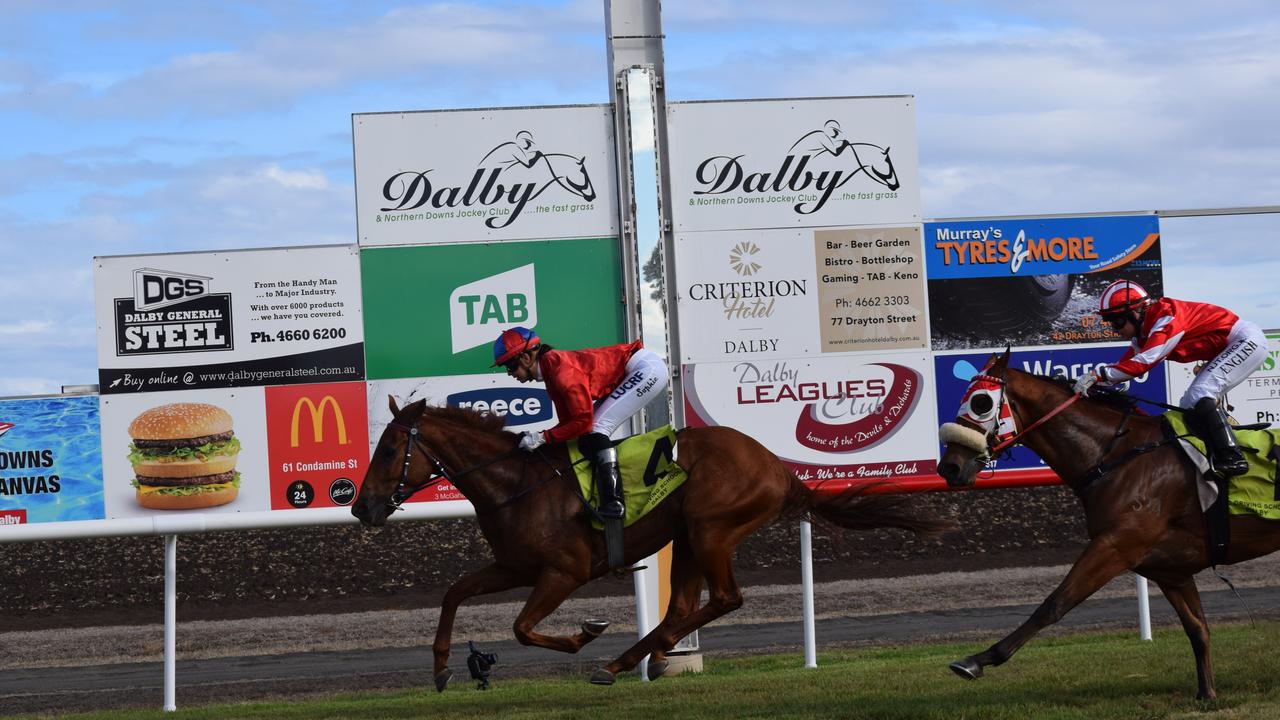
(512, 342)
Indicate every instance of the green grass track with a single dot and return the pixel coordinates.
(1086, 676)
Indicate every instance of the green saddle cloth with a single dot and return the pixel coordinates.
(1253, 493)
(649, 472)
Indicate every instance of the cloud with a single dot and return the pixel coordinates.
(304, 180)
(21, 386)
(14, 332)
(276, 61)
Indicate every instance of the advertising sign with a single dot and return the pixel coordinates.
(955, 372)
(525, 407)
(1033, 281)
(50, 462)
(437, 310)
(228, 319)
(793, 163)
(499, 174)
(187, 451)
(317, 444)
(790, 293)
(1255, 400)
(828, 418)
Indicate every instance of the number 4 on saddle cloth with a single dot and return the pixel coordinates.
(1253, 493)
(649, 472)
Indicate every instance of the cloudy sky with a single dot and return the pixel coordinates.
(144, 126)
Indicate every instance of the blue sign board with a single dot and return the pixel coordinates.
(954, 372)
(1044, 246)
(50, 460)
(520, 406)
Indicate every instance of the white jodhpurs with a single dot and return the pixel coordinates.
(1245, 353)
(645, 379)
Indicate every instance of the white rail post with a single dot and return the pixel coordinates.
(646, 605)
(170, 621)
(806, 582)
(1144, 609)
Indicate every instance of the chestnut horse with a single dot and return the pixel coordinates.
(1138, 492)
(533, 516)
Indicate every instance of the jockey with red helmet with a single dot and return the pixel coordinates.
(594, 392)
(1186, 332)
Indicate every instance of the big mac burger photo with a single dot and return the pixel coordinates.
(184, 457)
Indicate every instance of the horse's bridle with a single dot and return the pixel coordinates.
(399, 496)
(986, 458)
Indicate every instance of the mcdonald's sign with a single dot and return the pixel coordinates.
(317, 420)
(317, 443)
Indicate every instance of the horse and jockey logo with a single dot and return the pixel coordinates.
(506, 179)
(815, 166)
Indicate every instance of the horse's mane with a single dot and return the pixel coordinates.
(488, 422)
(1116, 400)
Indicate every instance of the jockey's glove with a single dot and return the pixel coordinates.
(1084, 382)
(529, 440)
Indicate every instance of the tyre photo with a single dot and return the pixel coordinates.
(1002, 306)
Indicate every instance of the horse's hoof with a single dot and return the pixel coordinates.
(443, 679)
(594, 627)
(601, 677)
(657, 668)
(968, 668)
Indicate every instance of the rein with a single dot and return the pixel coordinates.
(1014, 439)
(1103, 467)
(399, 496)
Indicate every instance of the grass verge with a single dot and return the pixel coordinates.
(1095, 676)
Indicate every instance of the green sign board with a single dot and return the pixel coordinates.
(436, 310)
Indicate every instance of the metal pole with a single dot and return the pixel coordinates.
(806, 582)
(1144, 608)
(644, 619)
(633, 32)
(170, 621)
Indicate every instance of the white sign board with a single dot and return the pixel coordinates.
(228, 319)
(750, 294)
(483, 175)
(793, 163)
(845, 417)
(1255, 400)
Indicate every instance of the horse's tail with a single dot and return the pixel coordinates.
(860, 507)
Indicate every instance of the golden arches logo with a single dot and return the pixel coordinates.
(317, 420)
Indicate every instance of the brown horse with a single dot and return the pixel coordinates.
(532, 515)
(1139, 496)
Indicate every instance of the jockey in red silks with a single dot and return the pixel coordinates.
(1186, 332)
(594, 392)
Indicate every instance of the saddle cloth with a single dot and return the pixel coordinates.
(649, 472)
(1253, 493)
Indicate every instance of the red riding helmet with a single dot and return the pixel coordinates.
(513, 342)
(1123, 296)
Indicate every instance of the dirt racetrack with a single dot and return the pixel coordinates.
(97, 605)
(115, 581)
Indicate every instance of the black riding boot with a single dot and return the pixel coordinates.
(604, 458)
(1226, 457)
(598, 448)
(609, 484)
